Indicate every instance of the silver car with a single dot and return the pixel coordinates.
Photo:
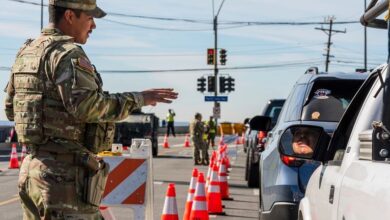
(318, 99)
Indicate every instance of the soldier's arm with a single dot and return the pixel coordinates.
(81, 96)
(9, 106)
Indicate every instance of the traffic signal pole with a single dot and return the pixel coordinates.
(216, 104)
(216, 63)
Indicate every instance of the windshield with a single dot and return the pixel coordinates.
(328, 99)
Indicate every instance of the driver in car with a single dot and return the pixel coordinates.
(304, 141)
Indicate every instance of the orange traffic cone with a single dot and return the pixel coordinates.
(222, 177)
(13, 162)
(209, 171)
(214, 199)
(170, 205)
(165, 144)
(221, 141)
(199, 206)
(106, 213)
(191, 192)
(24, 152)
(238, 141)
(187, 141)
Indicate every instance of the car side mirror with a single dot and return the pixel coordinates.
(260, 123)
(304, 142)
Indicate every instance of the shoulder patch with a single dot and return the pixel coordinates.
(85, 64)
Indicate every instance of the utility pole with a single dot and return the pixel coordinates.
(329, 33)
(41, 14)
(365, 40)
(215, 24)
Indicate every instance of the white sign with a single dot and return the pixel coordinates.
(217, 112)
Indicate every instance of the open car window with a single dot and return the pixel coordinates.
(328, 99)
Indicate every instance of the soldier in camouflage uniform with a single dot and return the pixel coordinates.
(197, 130)
(56, 99)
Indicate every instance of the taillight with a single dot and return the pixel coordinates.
(260, 137)
(291, 161)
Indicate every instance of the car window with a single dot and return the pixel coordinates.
(371, 111)
(274, 114)
(342, 134)
(293, 111)
(328, 99)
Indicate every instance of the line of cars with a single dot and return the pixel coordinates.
(328, 156)
(317, 100)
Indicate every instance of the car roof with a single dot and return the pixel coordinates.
(308, 78)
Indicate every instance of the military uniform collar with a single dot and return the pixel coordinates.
(51, 31)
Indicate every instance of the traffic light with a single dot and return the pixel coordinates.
(201, 84)
(211, 83)
(230, 84)
(222, 84)
(222, 56)
(210, 56)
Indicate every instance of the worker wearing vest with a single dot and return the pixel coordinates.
(212, 130)
(170, 122)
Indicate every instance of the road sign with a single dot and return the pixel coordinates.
(217, 112)
(215, 98)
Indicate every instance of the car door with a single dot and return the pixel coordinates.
(365, 188)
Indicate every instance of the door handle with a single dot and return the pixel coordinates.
(331, 194)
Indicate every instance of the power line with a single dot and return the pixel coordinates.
(261, 66)
(237, 23)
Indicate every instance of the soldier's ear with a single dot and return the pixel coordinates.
(69, 16)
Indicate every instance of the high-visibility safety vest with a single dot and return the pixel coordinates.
(212, 128)
(170, 117)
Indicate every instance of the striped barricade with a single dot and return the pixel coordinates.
(129, 182)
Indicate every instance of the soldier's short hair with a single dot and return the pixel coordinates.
(197, 115)
(56, 13)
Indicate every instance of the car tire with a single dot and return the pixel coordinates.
(253, 171)
(247, 166)
(155, 149)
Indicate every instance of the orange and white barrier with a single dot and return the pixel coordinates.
(129, 182)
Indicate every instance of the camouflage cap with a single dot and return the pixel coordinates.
(88, 6)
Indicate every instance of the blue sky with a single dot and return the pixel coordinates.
(142, 45)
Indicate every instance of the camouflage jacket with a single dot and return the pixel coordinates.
(197, 129)
(72, 90)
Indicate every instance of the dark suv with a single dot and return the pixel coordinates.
(255, 141)
(317, 99)
(139, 125)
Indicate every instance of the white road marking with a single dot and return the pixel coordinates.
(256, 192)
(158, 182)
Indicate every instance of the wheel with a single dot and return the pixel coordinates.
(155, 149)
(247, 166)
(253, 171)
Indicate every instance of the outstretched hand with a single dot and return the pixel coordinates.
(153, 96)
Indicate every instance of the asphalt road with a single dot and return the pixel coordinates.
(173, 165)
